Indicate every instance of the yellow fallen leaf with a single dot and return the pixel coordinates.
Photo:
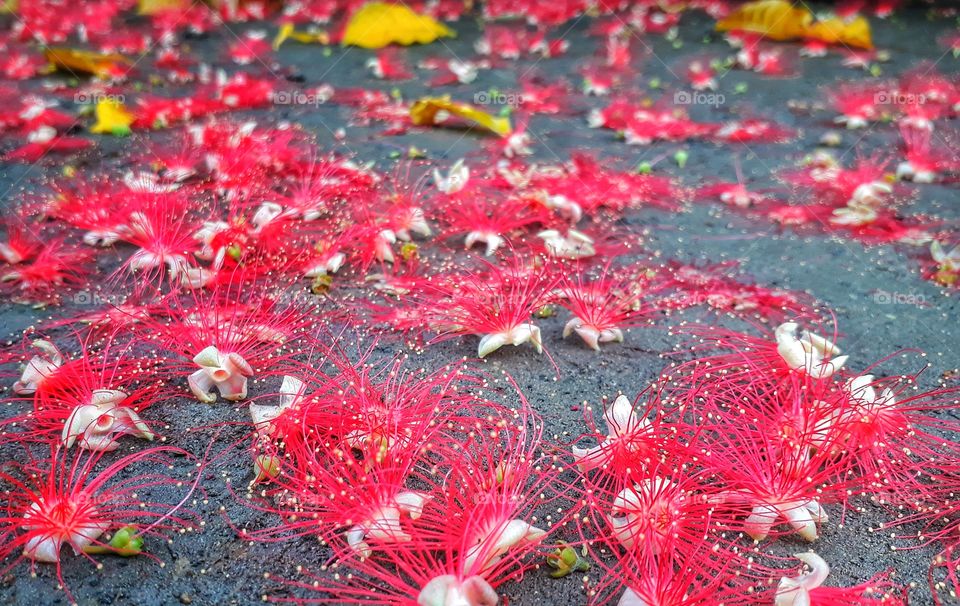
(102, 65)
(835, 30)
(9, 6)
(288, 32)
(379, 24)
(430, 111)
(774, 19)
(152, 7)
(112, 119)
(780, 20)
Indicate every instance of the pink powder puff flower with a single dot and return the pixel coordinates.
(605, 305)
(42, 278)
(627, 432)
(485, 219)
(858, 104)
(700, 73)
(472, 536)
(228, 335)
(924, 163)
(496, 305)
(68, 499)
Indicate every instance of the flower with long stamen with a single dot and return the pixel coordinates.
(68, 499)
(95, 397)
(222, 337)
(603, 306)
(626, 433)
(95, 424)
(765, 444)
(496, 304)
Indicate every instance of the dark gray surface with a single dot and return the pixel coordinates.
(215, 567)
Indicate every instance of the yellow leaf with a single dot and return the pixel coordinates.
(288, 32)
(837, 31)
(102, 65)
(430, 111)
(774, 19)
(152, 7)
(379, 24)
(112, 119)
(780, 20)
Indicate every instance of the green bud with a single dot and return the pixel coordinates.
(267, 467)
(565, 560)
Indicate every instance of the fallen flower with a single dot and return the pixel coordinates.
(227, 373)
(624, 429)
(97, 423)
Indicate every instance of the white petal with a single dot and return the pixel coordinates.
(590, 336)
(621, 417)
(355, 540)
(826, 369)
(821, 344)
(801, 520)
(630, 598)
(43, 549)
(793, 354)
(201, 385)
(526, 333)
(290, 390)
(571, 325)
(491, 343)
(411, 503)
(77, 423)
(107, 397)
(611, 335)
(208, 357)
(134, 425)
(819, 570)
(760, 520)
(447, 591)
